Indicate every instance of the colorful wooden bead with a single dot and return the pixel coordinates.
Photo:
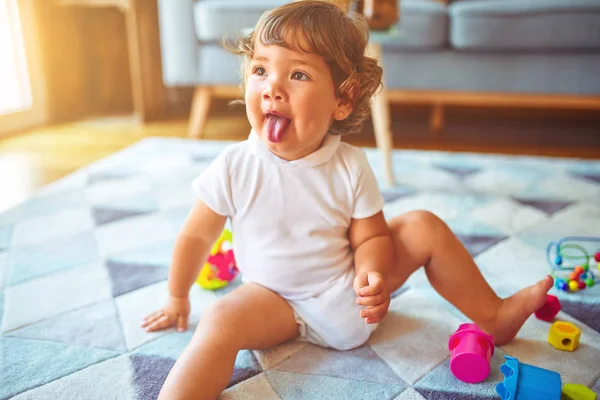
(573, 285)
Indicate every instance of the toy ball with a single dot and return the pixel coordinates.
(558, 260)
(597, 257)
(589, 282)
(220, 267)
(573, 285)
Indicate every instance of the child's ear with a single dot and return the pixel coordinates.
(344, 109)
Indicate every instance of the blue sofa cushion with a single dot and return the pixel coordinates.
(216, 19)
(423, 24)
(532, 25)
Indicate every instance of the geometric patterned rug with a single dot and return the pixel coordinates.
(85, 259)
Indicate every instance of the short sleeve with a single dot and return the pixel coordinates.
(368, 199)
(213, 186)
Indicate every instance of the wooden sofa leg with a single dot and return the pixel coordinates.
(199, 112)
(380, 114)
(436, 120)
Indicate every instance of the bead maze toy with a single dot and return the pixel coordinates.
(528, 382)
(570, 262)
(471, 350)
(220, 267)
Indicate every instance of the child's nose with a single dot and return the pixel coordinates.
(274, 91)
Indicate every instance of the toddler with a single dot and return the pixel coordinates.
(318, 258)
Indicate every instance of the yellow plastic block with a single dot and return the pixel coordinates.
(573, 391)
(564, 336)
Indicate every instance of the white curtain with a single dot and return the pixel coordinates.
(15, 91)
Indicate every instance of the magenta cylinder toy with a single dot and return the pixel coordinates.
(471, 351)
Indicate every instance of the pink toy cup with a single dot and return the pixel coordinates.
(470, 353)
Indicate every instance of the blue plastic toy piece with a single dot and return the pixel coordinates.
(527, 382)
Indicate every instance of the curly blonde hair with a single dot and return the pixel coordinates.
(338, 37)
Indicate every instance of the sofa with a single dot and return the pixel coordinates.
(536, 53)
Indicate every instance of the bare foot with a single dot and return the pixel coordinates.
(515, 310)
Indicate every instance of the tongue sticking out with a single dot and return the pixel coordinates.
(276, 126)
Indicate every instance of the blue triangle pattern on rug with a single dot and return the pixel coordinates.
(45, 205)
(1, 306)
(155, 254)
(5, 236)
(290, 386)
(96, 326)
(104, 216)
(52, 256)
(149, 374)
(168, 346)
(30, 363)
(127, 277)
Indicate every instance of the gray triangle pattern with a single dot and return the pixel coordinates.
(360, 364)
(547, 206)
(103, 216)
(591, 177)
(103, 177)
(95, 326)
(459, 172)
(128, 277)
(149, 374)
(389, 196)
(246, 366)
(476, 245)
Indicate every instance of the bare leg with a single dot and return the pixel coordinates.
(250, 317)
(422, 239)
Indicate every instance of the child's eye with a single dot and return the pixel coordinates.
(301, 76)
(260, 71)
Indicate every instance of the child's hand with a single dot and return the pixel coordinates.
(174, 313)
(372, 292)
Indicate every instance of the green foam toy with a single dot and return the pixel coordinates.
(573, 391)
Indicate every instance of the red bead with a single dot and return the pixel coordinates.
(581, 284)
(597, 256)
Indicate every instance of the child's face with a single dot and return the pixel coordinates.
(291, 100)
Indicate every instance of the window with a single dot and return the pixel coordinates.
(15, 90)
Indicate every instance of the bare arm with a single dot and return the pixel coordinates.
(371, 241)
(374, 254)
(200, 231)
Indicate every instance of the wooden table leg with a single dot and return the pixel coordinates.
(380, 114)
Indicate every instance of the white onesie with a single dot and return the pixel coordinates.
(290, 222)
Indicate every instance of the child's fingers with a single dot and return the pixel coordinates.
(370, 301)
(375, 314)
(371, 290)
(159, 324)
(360, 281)
(182, 323)
(154, 315)
(151, 318)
